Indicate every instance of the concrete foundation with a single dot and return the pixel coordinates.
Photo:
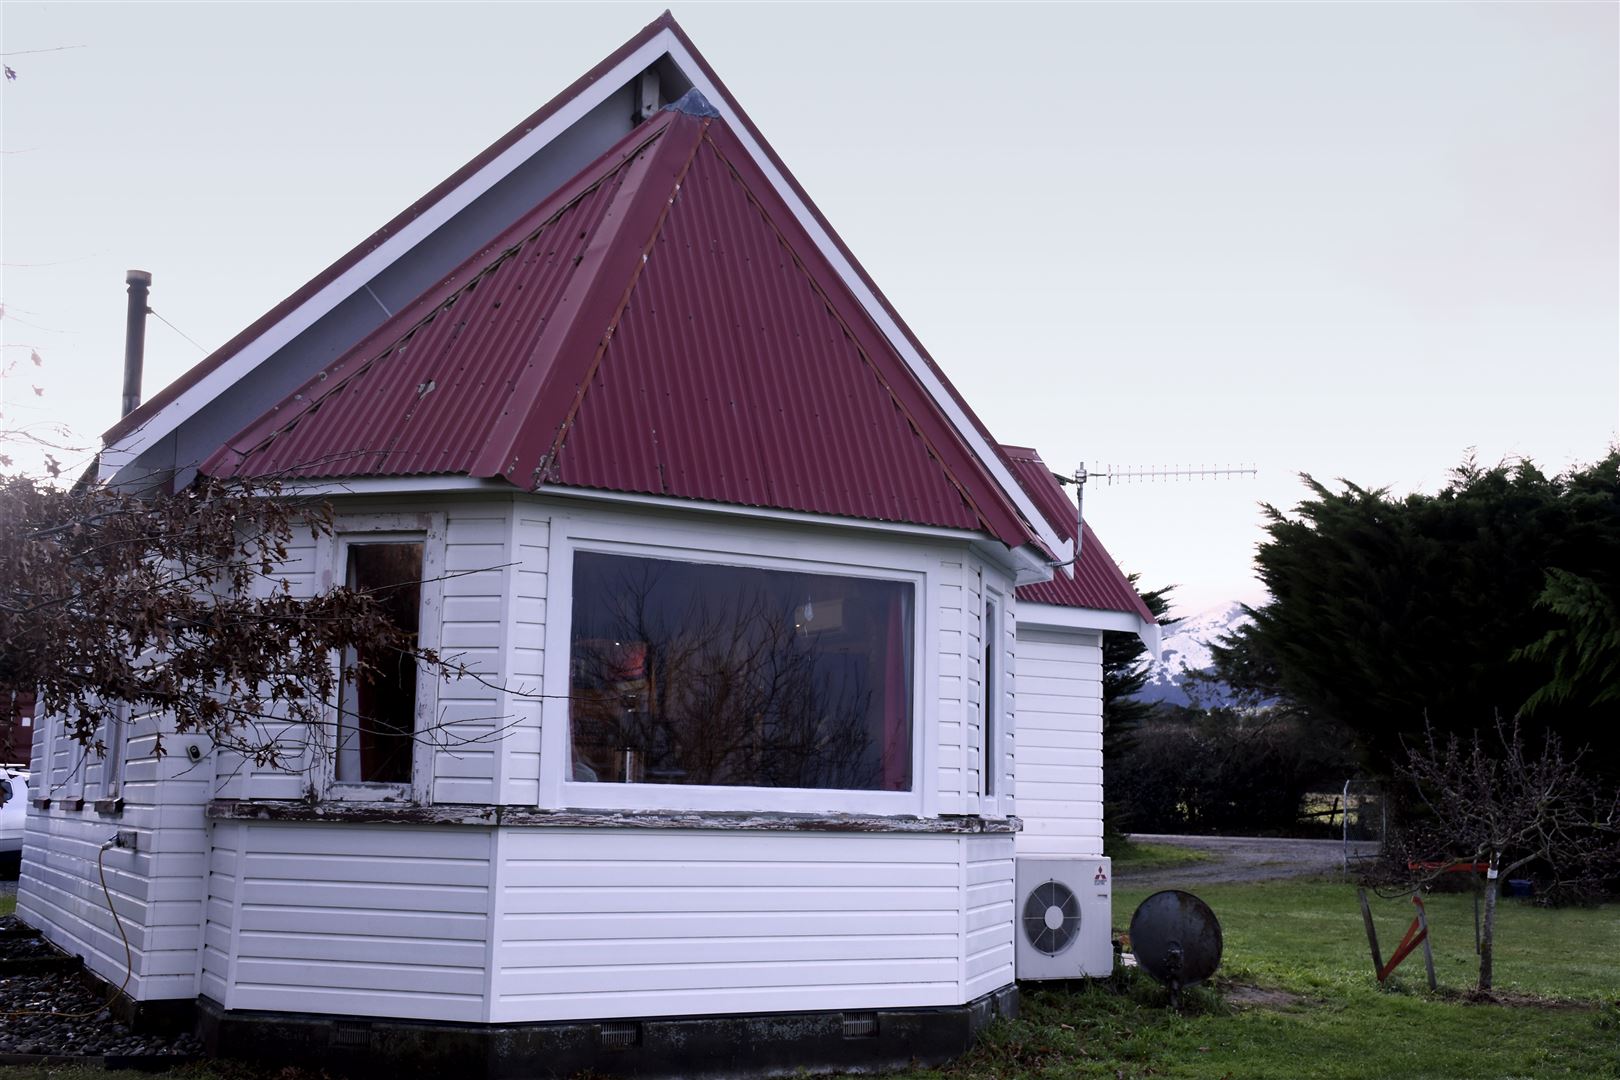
(788, 1044)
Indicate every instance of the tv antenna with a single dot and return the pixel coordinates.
(1127, 474)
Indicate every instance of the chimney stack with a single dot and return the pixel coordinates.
(135, 338)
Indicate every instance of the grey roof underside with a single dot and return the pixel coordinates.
(177, 455)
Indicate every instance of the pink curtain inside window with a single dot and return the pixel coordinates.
(896, 701)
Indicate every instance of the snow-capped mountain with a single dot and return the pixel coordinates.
(1187, 649)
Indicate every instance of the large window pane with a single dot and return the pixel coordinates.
(689, 673)
(377, 710)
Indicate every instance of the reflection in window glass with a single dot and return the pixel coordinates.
(686, 673)
(377, 709)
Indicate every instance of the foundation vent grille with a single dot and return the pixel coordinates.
(619, 1036)
(349, 1033)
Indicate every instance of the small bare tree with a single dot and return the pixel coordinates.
(172, 603)
(1510, 806)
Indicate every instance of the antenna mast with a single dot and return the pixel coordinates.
(1128, 474)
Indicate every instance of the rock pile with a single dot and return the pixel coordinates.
(55, 1013)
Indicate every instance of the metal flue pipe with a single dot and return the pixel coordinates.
(1080, 476)
(139, 282)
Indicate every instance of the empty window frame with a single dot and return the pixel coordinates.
(113, 734)
(377, 706)
(706, 674)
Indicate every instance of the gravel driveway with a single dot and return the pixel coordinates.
(1240, 858)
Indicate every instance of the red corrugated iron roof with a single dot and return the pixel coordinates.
(664, 326)
(1097, 582)
(165, 397)
(837, 241)
(418, 395)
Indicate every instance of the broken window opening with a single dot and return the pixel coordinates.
(377, 707)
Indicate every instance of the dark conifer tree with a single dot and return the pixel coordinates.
(1125, 670)
(1496, 593)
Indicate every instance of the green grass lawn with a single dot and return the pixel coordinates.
(1305, 940)
(1132, 855)
(1325, 1018)
(8, 904)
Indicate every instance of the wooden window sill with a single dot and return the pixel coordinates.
(528, 817)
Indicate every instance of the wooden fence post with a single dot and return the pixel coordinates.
(1372, 935)
(1428, 953)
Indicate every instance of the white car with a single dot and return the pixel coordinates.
(13, 810)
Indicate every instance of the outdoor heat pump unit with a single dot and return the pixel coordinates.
(1064, 912)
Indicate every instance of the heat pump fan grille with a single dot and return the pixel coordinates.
(1051, 917)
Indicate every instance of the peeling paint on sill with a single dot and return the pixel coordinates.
(529, 817)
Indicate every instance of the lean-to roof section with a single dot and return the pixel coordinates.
(662, 327)
(1097, 582)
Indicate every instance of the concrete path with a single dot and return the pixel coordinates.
(1240, 858)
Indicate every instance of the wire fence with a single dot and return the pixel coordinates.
(1365, 814)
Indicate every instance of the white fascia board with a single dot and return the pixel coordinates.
(133, 444)
(431, 485)
(1060, 547)
(394, 485)
(1058, 617)
(1027, 564)
(760, 513)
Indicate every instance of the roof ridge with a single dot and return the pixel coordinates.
(861, 350)
(548, 460)
(433, 303)
(519, 441)
(167, 395)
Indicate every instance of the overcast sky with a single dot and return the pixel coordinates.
(1351, 240)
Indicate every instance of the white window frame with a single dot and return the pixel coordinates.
(112, 762)
(767, 550)
(332, 563)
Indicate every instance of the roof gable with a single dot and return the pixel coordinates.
(665, 46)
(662, 326)
(157, 415)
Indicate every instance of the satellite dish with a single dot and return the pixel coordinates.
(1176, 939)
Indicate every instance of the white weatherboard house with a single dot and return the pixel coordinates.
(789, 678)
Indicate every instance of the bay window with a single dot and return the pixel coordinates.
(708, 674)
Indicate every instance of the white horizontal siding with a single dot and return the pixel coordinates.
(600, 923)
(973, 687)
(526, 626)
(1059, 764)
(158, 889)
(522, 924)
(987, 954)
(241, 777)
(361, 920)
(962, 591)
(950, 605)
(471, 713)
(469, 626)
(219, 914)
